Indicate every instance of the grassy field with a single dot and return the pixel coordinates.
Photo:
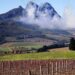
(61, 53)
(5, 49)
(13, 45)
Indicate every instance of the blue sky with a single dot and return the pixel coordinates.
(59, 5)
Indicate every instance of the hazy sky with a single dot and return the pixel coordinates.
(59, 5)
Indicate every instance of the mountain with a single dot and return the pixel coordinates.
(17, 29)
(12, 13)
(48, 10)
(31, 10)
(34, 10)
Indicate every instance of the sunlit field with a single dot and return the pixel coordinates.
(61, 53)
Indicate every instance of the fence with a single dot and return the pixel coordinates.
(38, 67)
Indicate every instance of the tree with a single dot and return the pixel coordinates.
(72, 44)
(43, 49)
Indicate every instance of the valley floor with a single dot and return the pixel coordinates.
(60, 53)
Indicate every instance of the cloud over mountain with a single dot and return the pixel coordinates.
(46, 17)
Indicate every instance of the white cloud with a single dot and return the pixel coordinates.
(69, 18)
(44, 21)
